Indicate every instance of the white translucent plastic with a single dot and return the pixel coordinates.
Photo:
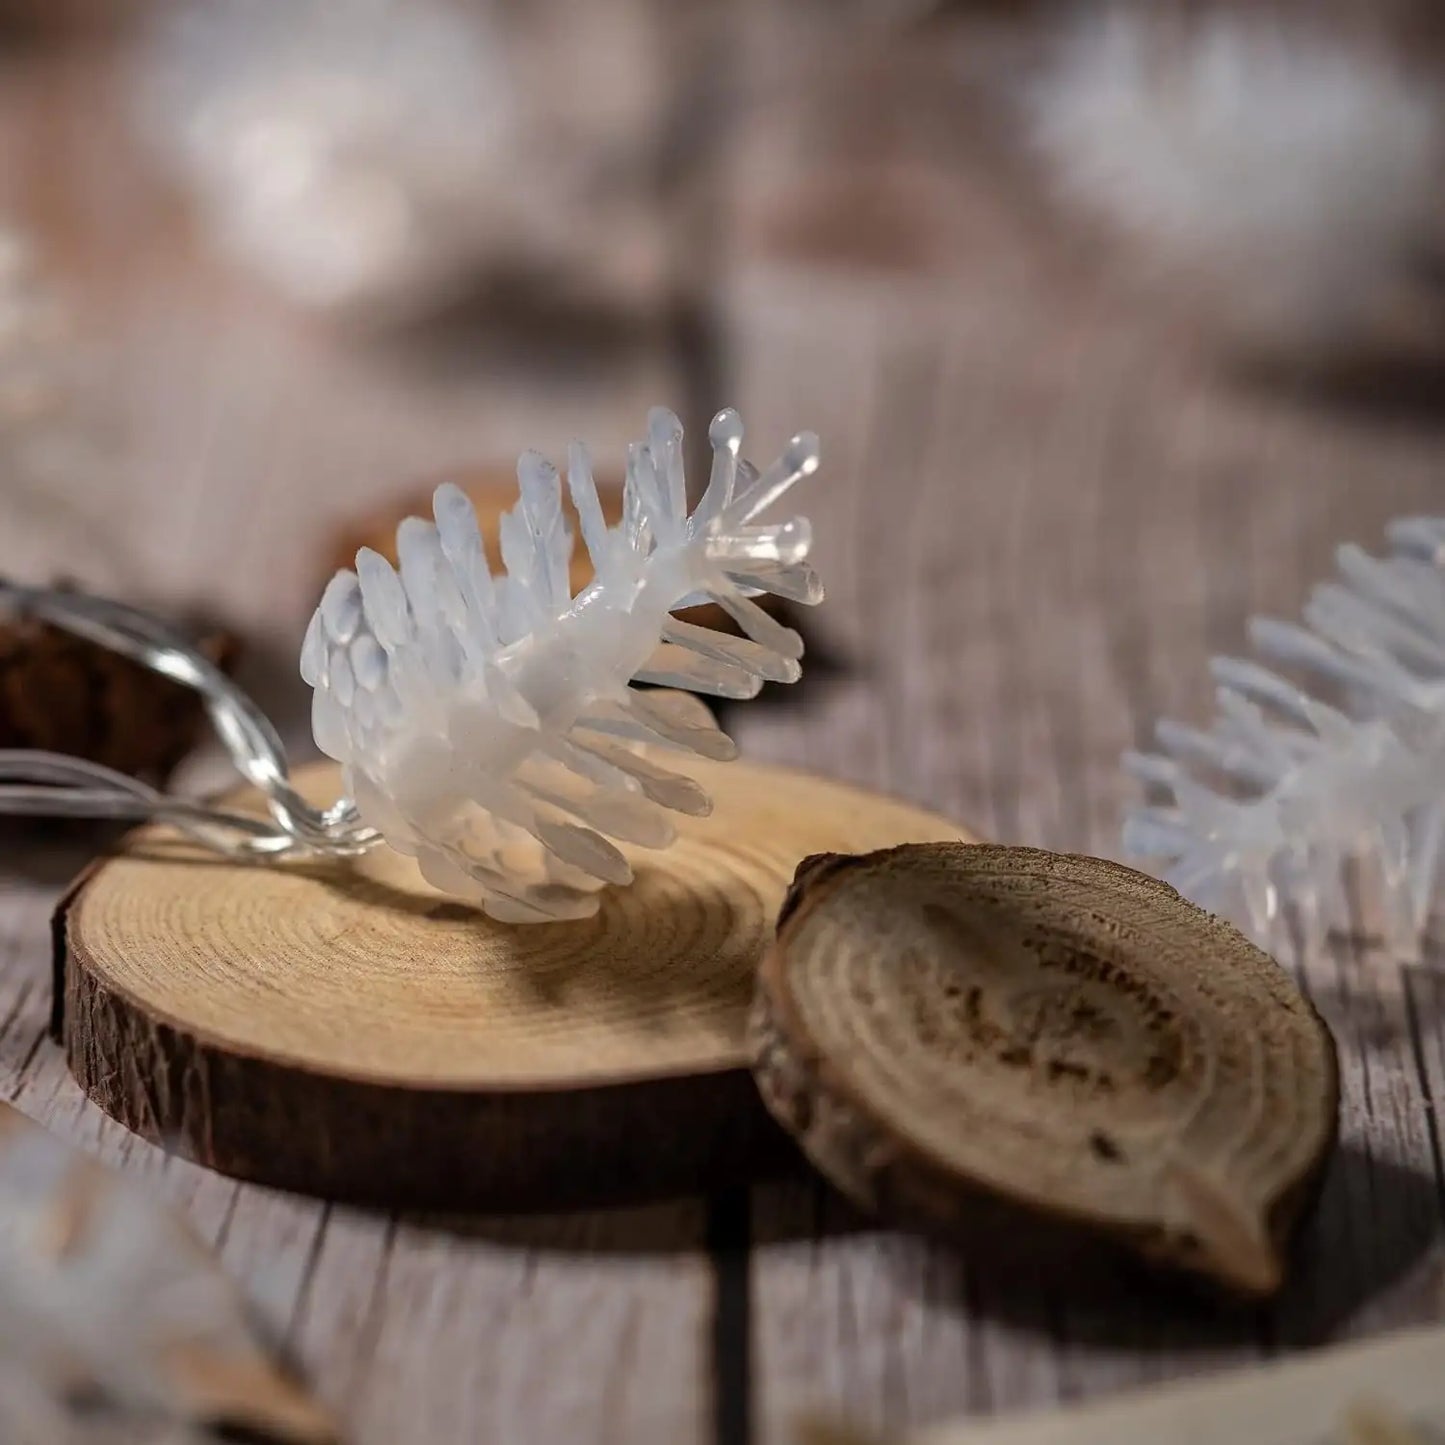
(1272, 809)
(486, 724)
(355, 154)
(1287, 171)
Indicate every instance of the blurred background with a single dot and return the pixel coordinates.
(1113, 319)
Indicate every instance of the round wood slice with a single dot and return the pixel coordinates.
(347, 1031)
(990, 1037)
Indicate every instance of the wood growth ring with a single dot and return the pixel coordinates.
(951, 1028)
(345, 1030)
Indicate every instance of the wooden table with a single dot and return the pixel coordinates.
(1039, 513)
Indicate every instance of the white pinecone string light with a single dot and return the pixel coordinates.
(474, 713)
(352, 154)
(1274, 171)
(1272, 806)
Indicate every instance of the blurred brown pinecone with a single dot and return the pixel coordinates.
(63, 694)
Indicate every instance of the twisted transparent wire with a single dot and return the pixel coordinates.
(50, 784)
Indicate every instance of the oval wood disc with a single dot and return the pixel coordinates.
(952, 1028)
(345, 1030)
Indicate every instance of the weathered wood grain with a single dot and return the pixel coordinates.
(1117, 508)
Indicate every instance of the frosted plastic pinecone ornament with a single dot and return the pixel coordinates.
(486, 724)
(1270, 810)
(354, 154)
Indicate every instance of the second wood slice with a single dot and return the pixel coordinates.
(345, 1030)
(1014, 1045)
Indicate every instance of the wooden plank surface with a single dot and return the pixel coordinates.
(1038, 515)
